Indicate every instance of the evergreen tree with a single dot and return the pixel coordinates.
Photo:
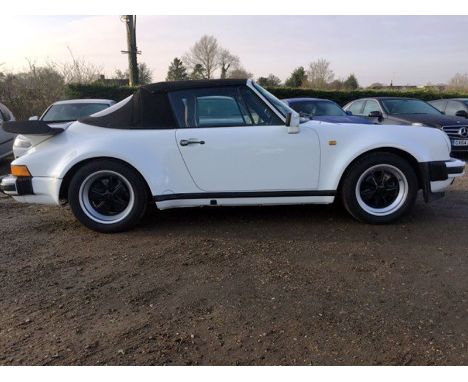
(351, 82)
(176, 71)
(271, 81)
(198, 72)
(297, 79)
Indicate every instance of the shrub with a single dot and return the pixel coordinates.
(97, 90)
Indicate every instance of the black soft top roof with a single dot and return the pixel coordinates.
(170, 86)
(149, 106)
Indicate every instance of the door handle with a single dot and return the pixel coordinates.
(191, 141)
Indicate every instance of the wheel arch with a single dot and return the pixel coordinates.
(63, 192)
(401, 153)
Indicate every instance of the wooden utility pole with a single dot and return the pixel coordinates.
(132, 51)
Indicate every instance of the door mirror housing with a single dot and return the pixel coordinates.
(461, 113)
(376, 114)
(293, 121)
(349, 112)
(34, 118)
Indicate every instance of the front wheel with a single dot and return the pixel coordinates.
(107, 196)
(379, 188)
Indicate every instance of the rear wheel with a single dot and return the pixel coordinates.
(379, 188)
(108, 196)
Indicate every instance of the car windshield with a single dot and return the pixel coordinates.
(408, 106)
(317, 108)
(280, 106)
(72, 111)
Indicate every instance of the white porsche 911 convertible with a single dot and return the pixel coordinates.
(223, 143)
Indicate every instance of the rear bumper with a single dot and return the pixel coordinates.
(16, 186)
(42, 190)
(437, 176)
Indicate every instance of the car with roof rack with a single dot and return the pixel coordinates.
(223, 143)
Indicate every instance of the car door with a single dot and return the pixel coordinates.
(232, 140)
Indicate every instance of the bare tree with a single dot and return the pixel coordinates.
(205, 52)
(319, 74)
(226, 60)
(458, 82)
(78, 70)
(31, 91)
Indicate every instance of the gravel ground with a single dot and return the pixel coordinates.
(250, 286)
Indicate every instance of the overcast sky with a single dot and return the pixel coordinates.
(408, 49)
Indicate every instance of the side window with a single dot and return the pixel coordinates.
(453, 107)
(356, 107)
(257, 111)
(370, 107)
(219, 107)
(439, 105)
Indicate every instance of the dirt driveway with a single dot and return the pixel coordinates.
(279, 285)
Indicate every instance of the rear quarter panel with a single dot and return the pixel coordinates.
(152, 152)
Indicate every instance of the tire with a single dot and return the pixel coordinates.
(108, 196)
(379, 188)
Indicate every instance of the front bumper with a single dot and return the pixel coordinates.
(437, 176)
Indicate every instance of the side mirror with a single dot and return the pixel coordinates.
(461, 113)
(292, 122)
(349, 112)
(376, 114)
(35, 118)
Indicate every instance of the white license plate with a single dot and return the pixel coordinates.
(460, 142)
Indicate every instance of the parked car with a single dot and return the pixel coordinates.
(176, 144)
(322, 110)
(62, 113)
(457, 107)
(415, 112)
(6, 139)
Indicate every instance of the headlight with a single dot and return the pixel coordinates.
(22, 142)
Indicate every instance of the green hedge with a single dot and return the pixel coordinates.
(342, 97)
(116, 93)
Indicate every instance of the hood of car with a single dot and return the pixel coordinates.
(341, 119)
(430, 119)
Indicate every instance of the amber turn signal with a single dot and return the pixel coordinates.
(20, 171)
